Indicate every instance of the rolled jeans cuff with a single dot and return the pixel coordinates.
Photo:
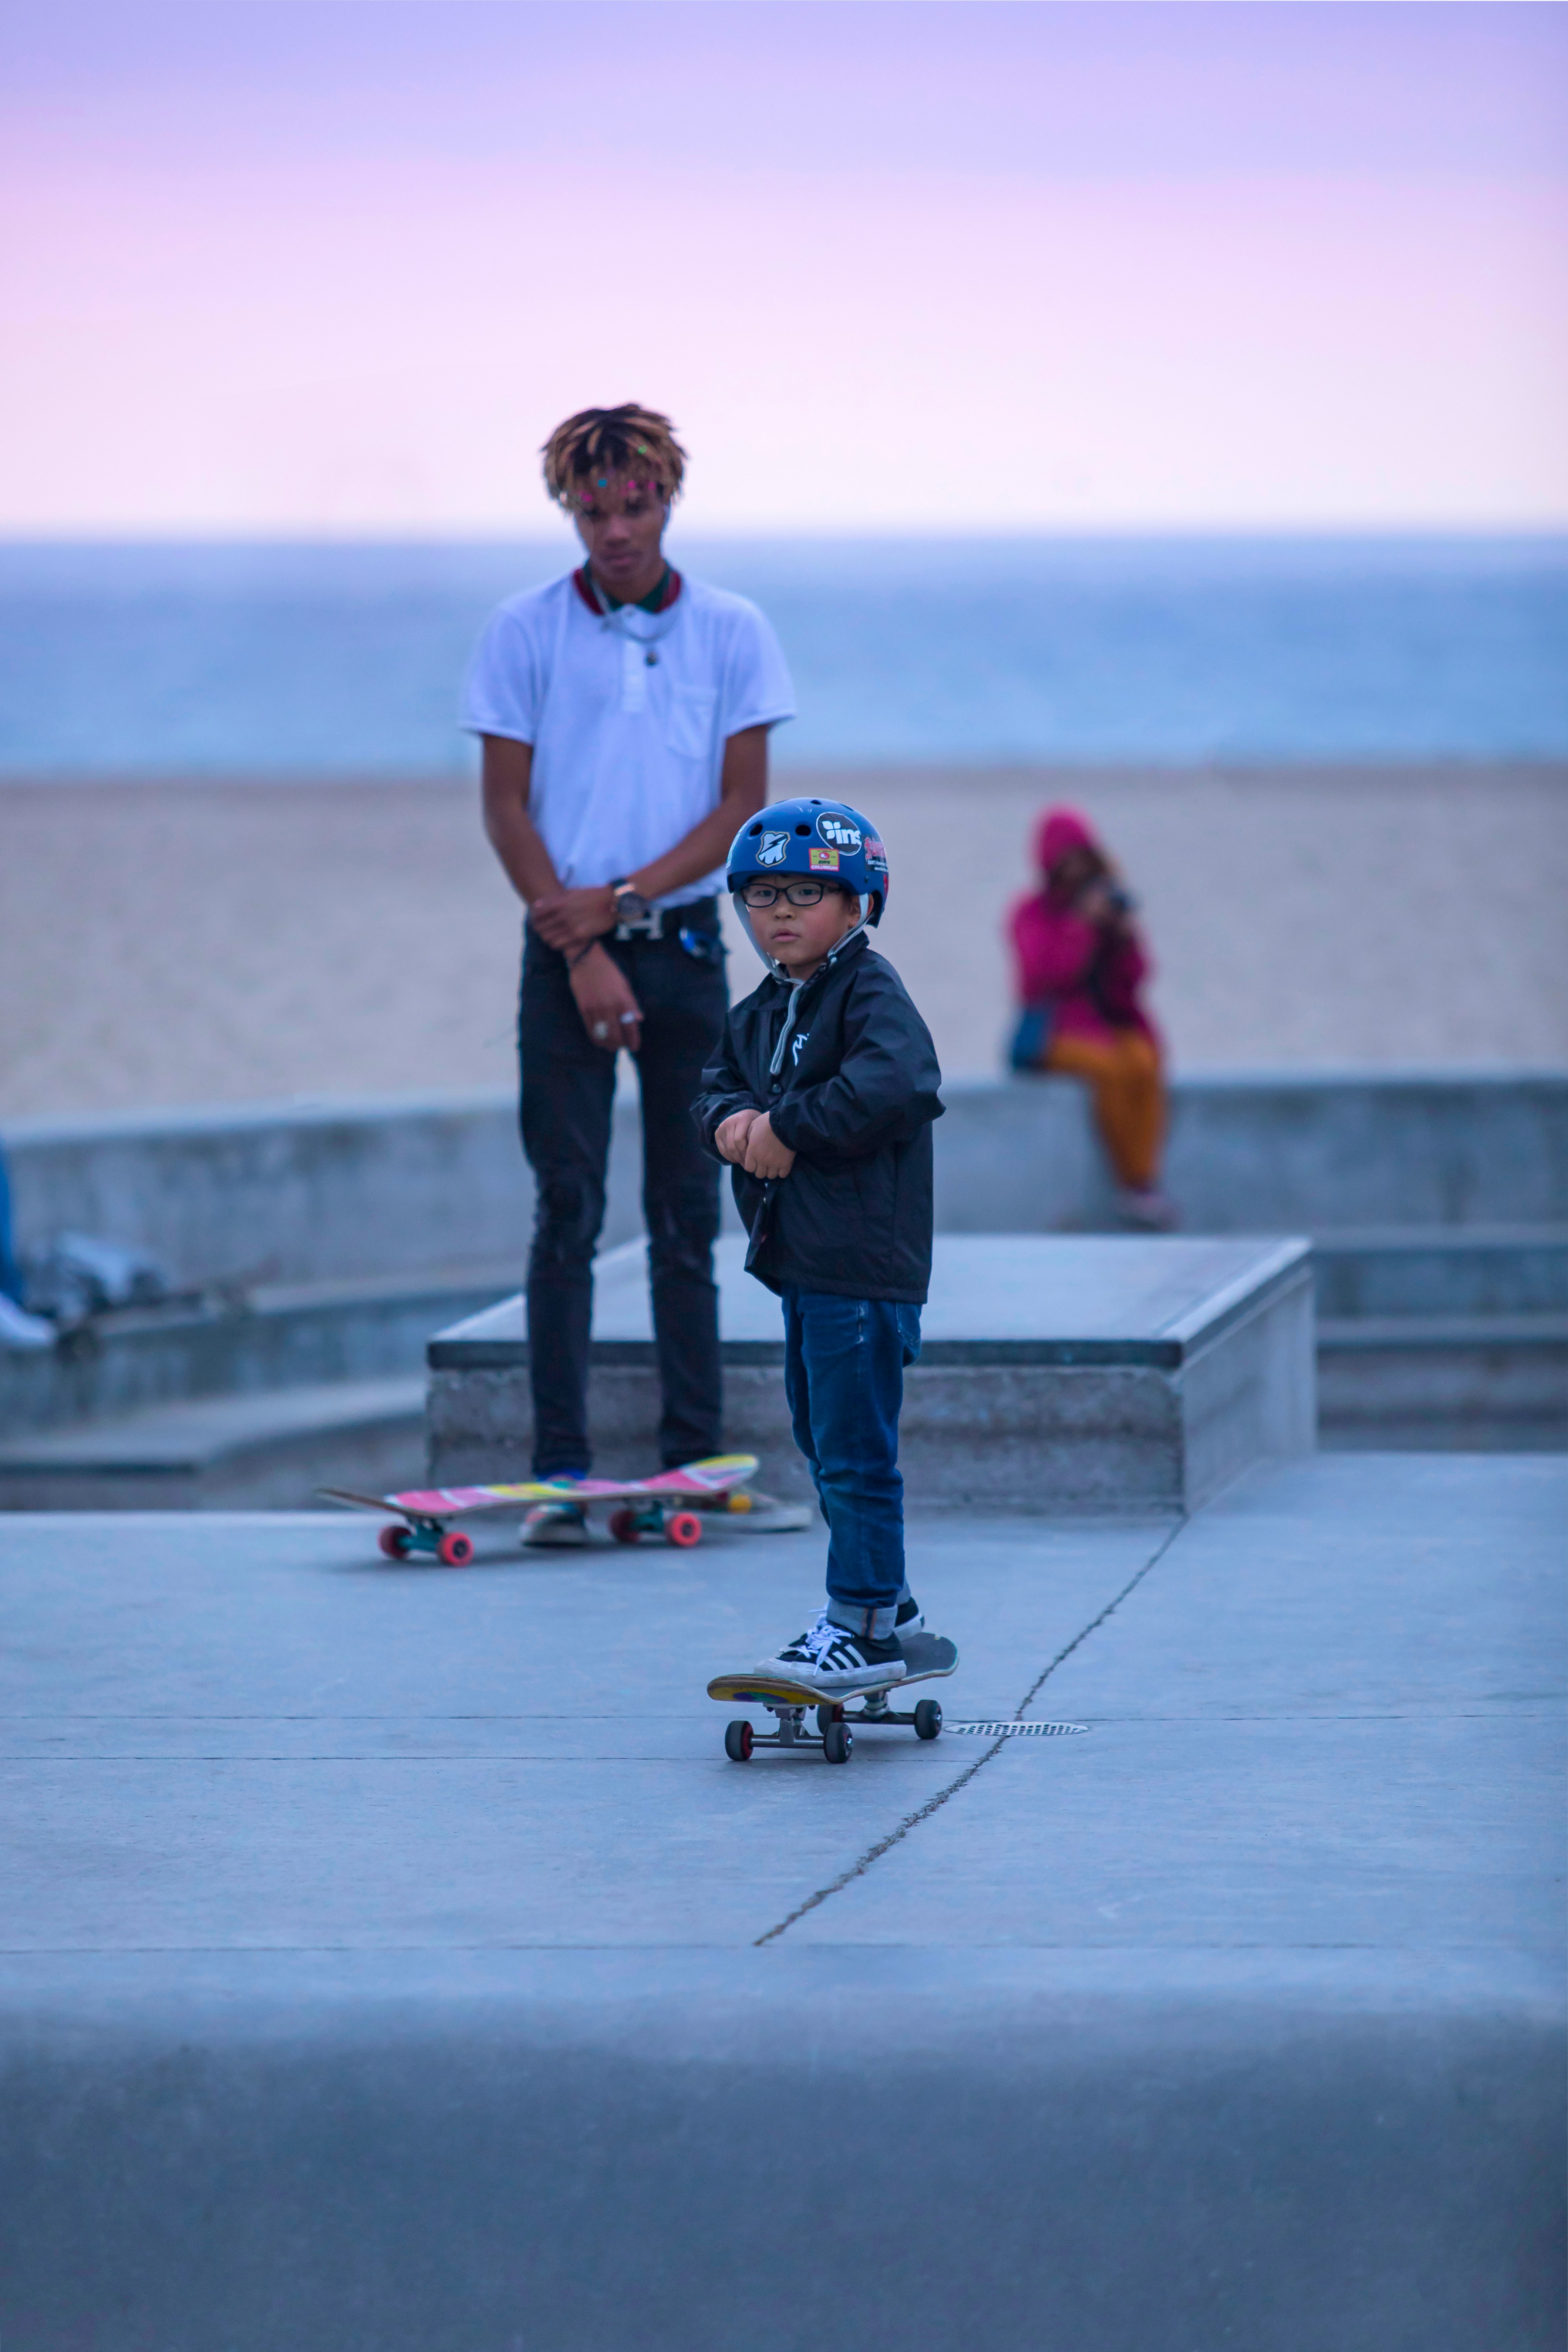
(877, 1624)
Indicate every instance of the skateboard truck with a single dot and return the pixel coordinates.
(450, 1546)
(835, 1733)
(630, 1524)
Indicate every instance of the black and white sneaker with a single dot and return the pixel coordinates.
(910, 1618)
(826, 1658)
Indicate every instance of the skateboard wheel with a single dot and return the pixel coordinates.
(837, 1744)
(829, 1712)
(455, 1549)
(684, 1528)
(739, 1501)
(393, 1542)
(738, 1737)
(928, 1719)
(624, 1526)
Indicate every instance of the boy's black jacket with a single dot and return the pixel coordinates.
(854, 1099)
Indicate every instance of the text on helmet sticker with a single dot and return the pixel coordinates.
(827, 858)
(772, 847)
(838, 832)
(875, 856)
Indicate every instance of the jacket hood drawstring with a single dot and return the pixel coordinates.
(795, 986)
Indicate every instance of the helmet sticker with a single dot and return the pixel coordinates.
(875, 856)
(772, 847)
(838, 832)
(823, 859)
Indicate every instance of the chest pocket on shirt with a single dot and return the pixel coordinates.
(690, 730)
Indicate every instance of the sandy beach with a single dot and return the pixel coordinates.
(188, 942)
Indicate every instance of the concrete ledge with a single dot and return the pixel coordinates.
(283, 1191)
(292, 1192)
(1269, 1151)
(258, 1450)
(280, 1336)
(1091, 1374)
(1459, 1270)
(589, 2149)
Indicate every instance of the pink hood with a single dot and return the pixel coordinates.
(1060, 830)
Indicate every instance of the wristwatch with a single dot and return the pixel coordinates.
(631, 907)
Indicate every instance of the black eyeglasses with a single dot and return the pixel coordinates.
(767, 894)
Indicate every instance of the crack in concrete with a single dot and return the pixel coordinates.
(874, 1854)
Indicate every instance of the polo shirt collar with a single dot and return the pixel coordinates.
(659, 597)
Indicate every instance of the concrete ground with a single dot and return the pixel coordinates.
(391, 1958)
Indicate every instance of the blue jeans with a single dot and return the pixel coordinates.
(844, 1377)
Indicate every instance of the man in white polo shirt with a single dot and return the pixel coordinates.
(625, 713)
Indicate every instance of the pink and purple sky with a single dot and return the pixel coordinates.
(335, 268)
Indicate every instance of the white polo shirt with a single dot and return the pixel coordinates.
(628, 714)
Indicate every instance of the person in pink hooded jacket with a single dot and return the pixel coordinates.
(1082, 967)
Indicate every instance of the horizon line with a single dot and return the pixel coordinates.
(1535, 534)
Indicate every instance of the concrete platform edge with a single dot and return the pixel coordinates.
(526, 2148)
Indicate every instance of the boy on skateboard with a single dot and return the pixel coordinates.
(821, 1096)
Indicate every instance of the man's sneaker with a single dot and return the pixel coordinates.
(910, 1618)
(826, 1658)
(561, 1524)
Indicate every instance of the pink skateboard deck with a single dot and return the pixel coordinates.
(649, 1506)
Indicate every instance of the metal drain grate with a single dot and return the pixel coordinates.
(1015, 1730)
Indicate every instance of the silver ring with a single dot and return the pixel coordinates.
(601, 1028)
(625, 1017)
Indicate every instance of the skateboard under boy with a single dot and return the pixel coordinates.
(926, 1656)
(645, 1507)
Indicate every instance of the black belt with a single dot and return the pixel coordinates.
(669, 922)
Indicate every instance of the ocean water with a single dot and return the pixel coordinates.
(295, 660)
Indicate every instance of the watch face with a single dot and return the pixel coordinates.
(630, 906)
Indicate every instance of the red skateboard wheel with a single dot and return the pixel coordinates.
(683, 1527)
(455, 1549)
(393, 1542)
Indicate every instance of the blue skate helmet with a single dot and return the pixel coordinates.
(826, 841)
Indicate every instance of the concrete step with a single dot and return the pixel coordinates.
(1098, 1374)
(282, 1335)
(261, 1451)
(1461, 1271)
(1444, 1382)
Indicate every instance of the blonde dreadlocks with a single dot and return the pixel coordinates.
(601, 441)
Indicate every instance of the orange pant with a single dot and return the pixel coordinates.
(1129, 1089)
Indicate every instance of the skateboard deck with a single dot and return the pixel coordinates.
(927, 1657)
(661, 1504)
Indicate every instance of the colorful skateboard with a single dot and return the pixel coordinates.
(660, 1506)
(926, 1655)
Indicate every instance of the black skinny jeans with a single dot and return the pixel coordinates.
(568, 1094)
